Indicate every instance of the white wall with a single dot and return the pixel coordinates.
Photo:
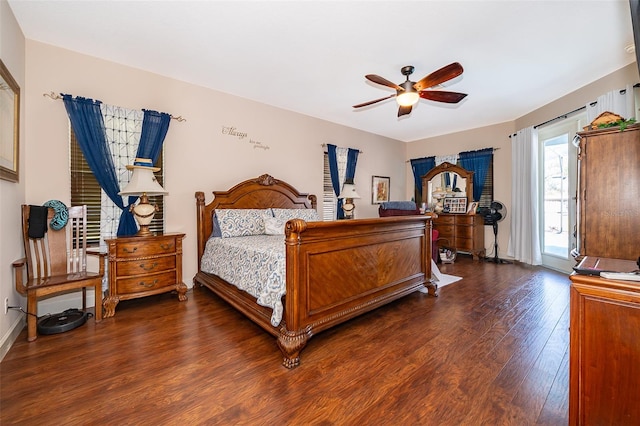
(12, 53)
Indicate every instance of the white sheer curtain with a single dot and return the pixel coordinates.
(621, 102)
(524, 242)
(123, 129)
(341, 158)
(451, 158)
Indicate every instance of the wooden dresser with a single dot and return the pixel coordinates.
(609, 193)
(464, 232)
(142, 266)
(604, 363)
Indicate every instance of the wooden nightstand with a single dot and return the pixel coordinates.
(142, 266)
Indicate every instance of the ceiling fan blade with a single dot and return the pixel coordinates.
(442, 96)
(383, 81)
(445, 73)
(404, 110)
(373, 102)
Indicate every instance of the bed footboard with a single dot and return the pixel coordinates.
(338, 270)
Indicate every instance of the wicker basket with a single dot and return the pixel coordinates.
(446, 253)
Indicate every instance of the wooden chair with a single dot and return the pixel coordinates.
(57, 263)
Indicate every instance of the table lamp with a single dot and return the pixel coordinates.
(143, 183)
(348, 194)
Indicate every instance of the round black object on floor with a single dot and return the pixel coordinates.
(64, 321)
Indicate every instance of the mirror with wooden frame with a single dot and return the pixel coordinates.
(460, 181)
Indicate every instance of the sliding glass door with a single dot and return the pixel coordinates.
(558, 182)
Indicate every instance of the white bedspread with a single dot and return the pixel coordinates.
(255, 264)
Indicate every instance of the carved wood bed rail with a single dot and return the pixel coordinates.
(334, 270)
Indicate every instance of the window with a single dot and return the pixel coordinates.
(86, 190)
(487, 191)
(329, 199)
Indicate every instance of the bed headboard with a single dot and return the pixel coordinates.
(260, 193)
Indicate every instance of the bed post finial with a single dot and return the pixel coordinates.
(266, 180)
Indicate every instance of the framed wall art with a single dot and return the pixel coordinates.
(9, 125)
(380, 189)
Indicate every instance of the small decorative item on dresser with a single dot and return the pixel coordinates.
(143, 266)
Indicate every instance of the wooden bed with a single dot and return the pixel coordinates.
(334, 270)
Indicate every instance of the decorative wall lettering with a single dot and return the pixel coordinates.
(234, 132)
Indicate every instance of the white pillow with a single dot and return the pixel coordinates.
(274, 226)
(308, 215)
(242, 222)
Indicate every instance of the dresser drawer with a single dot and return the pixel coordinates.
(465, 232)
(464, 244)
(146, 282)
(145, 266)
(155, 247)
(465, 219)
(444, 220)
(445, 231)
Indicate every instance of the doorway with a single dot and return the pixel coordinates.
(558, 182)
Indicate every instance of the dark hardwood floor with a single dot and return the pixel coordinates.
(492, 349)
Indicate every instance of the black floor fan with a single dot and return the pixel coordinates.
(495, 213)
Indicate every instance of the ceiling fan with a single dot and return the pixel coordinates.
(408, 93)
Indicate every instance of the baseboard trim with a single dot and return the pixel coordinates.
(11, 335)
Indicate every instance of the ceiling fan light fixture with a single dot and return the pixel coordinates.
(407, 98)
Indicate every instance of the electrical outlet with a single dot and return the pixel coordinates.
(6, 305)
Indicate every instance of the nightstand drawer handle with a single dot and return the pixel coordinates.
(130, 251)
(143, 284)
(166, 246)
(149, 268)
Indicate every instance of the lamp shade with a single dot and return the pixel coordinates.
(349, 191)
(143, 182)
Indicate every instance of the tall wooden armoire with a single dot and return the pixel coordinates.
(609, 193)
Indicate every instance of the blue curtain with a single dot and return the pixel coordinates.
(420, 167)
(88, 126)
(352, 160)
(477, 162)
(335, 181)
(154, 129)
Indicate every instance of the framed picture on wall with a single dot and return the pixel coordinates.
(9, 125)
(380, 189)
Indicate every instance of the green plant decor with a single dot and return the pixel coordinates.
(622, 123)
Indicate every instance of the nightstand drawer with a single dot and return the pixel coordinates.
(146, 266)
(148, 247)
(146, 282)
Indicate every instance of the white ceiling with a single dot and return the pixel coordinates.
(311, 56)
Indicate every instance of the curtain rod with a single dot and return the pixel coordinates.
(566, 115)
(494, 149)
(55, 97)
(324, 145)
